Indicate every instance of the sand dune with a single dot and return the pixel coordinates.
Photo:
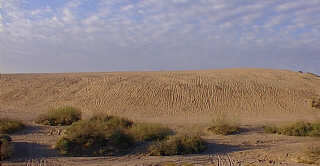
(156, 94)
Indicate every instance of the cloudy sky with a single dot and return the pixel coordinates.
(129, 35)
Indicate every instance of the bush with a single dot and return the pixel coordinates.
(60, 117)
(98, 136)
(111, 121)
(8, 126)
(311, 156)
(6, 147)
(178, 145)
(223, 126)
(270, 129)
(149, 132)
(296, 129)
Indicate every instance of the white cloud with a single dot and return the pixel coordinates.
(145, 29)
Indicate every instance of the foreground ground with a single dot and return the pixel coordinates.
(185, 101)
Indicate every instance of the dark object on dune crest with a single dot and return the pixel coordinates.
(316, 103)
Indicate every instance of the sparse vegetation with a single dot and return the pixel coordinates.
(296, 129)
(311, 156)
(6, 148)
(316, 103)
(221, 125)
(60, 117)
(97, 136)
(178, 145)
(8, 126)
(149, 132)
(107, 135)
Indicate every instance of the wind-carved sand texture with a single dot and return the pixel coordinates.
(179, 98)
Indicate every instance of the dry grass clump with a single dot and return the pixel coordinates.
(222, 125)
(296, 129)
(60, 117)
(178, 145)
(8, 126)
(149, 132)
(97, 136)
(6, 149)
(311, 156)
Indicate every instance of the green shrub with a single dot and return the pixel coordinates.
(98, 136)
(178, 145)
(60, 117)
(296, 129)
(111, 121)
(270, 129)
(221, 125)
(8, 126)
(149, 132)
(6, 147)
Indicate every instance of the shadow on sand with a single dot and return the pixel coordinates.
(24, 151)
(29, 130)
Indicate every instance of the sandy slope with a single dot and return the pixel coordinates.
(181, 95)
(186, 100)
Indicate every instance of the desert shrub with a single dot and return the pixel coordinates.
(316, 103)
(221, 125)
(270, 129)
(178, 145)
(6, 147)
(149, 132)
(60, 117)
(8, 126)
(97, 136)
(296, 129)
(111, 121)
(310, 156)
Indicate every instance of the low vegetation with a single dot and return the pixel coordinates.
(106, 135)
(149, 132)
(311, 156)
(296, 129)
(60, 117)
(178, 145)
(221, 125)
(97, 136)
(6, 148)
(8, 126)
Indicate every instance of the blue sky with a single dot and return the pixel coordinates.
(130, 35)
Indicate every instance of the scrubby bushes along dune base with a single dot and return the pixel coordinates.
(296, 129)
(107, 135)
(178, 145)
(222, 125)
(8, 126)
(60, 117)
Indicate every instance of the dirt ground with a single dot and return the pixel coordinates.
(186, 101)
